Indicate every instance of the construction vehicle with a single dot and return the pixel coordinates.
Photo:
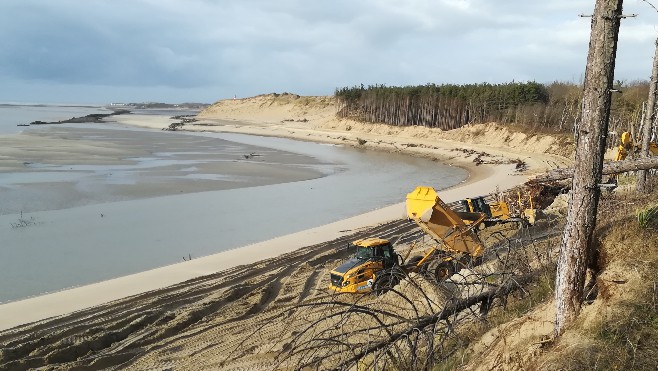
(499, 211)
(455, 233)
(372, 256)
(628, 146)
(377, 267)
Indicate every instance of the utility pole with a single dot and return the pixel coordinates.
(642, 183)
(591, 135)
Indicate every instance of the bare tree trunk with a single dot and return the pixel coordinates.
(613, 167)
(591, 137)
(642, 184)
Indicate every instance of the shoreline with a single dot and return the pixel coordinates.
(475, 171)
(288, 132)
(482, 179)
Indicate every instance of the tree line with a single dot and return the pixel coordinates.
(554, 107)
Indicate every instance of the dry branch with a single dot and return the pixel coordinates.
(448, 311)
(642, 184)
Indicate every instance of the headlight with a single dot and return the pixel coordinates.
(346, 279)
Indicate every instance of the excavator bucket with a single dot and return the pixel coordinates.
(453, 230)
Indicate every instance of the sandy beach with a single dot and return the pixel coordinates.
(222, 297)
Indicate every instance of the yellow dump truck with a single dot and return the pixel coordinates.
(454, 232)
(377, 267)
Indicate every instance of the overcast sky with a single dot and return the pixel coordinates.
(93, 51)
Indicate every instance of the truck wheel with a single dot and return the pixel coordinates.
(444, 270)
(385, 282)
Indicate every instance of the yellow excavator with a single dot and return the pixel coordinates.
(499, 211)
(628, 146)
(377, 267)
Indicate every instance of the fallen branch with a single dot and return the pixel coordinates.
(615, 167)
(449, 310)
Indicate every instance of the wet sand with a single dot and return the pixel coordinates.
(62, 167)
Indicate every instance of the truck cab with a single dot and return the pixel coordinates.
(371, 255)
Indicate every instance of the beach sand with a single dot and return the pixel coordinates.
(199, 313)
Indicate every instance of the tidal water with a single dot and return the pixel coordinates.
(64, 247)
(11, 115)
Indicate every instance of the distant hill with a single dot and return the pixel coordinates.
(148, 105)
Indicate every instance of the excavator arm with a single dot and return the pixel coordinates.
(625, 146)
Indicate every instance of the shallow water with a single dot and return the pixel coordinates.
(96, 241)
(12, 115)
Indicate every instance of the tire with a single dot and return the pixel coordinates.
(444, 270)
(386, 281)
(427, 270)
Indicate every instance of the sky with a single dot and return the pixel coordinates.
(174, 51)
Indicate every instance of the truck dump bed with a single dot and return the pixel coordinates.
(454, 231)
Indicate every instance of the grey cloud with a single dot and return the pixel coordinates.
(214, 49)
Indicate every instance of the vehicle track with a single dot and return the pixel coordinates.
(207, 315)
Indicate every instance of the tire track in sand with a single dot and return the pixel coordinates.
(207, 315)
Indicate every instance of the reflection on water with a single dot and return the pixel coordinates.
(98, 241)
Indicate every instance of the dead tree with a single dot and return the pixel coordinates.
(642, 184)
(591, 136)
(609, 168)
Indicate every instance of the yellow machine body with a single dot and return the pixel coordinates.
(453, 231)
(627, 145)
(358, 274)
(494, 210)
(500, 210)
